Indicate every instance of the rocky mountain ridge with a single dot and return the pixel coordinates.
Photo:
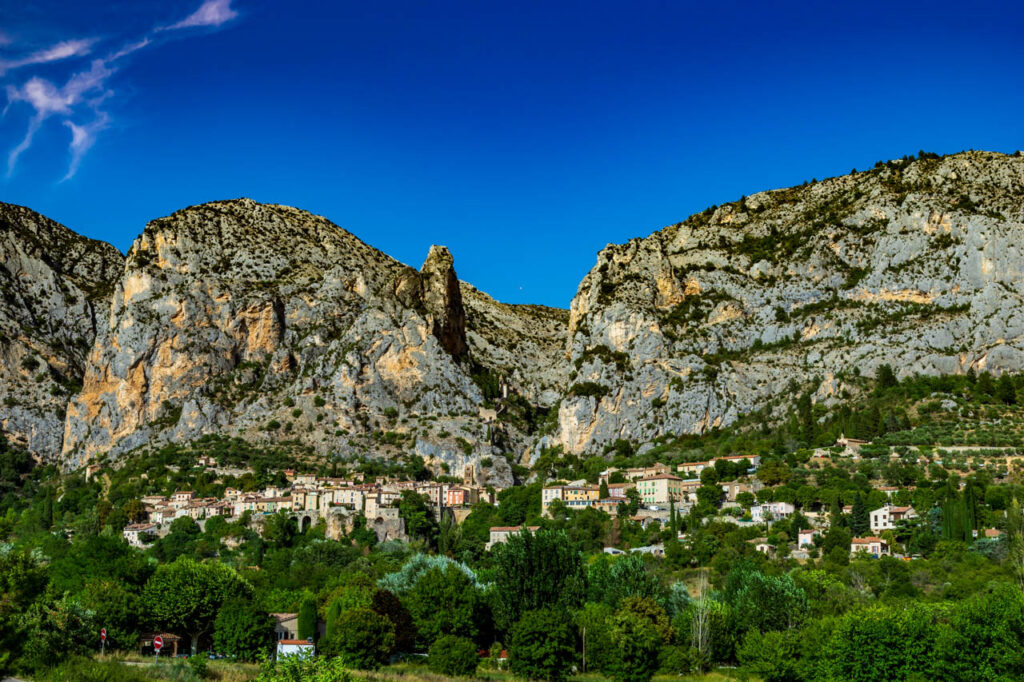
(269, 323)
(916, 263)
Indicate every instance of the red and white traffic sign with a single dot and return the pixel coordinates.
(158, 642)
(103, 634)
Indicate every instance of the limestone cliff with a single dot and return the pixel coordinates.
(270, 323)
(54, 285)
(916, 263)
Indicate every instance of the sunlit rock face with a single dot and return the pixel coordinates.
(915, 263)
(56, 287)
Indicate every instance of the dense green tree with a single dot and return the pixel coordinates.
(885, 377)
(391, 607)
(99, 556)
(761, 602)
(361, 638)
(59, 628)
(418, 514)
(186, 596)
(878, 643)
(534, 571)
(1006, 391)
(445, 602)
(116, 608)
(280, 529)
(542, 646)
(242, 631)
(453, 656)
(610, 580)
(636, 641)
(984, 639)
(594, 622)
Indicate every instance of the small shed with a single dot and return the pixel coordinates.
(170, 644)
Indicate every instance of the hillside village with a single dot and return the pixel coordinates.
(654, 494)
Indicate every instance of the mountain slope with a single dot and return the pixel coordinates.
(916, 263)
(270, 323)
(54, 285)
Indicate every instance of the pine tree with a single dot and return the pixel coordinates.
(604, 494)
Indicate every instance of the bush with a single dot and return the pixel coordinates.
(542, 646)
(295, 668)
(198, 665)
(771, 656)
(453, 656)
(589, 388)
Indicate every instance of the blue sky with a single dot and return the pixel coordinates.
(523, 135)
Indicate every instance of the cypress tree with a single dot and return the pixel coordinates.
(307, 619)
(860, 520)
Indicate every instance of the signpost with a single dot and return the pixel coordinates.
(103, 641)
(158, 644)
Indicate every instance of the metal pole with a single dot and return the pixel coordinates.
(584, 649)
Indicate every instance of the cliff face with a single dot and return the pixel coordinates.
(270, 323)
(55, 284)
(917, 264)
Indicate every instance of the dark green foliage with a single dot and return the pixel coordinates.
(453, 656)
(609, 580)
(638, 631)
(361, 638)
(307, 619)
(445, 602)
(416, 511)
(242, 631)
(186, 596)
(772, 656)
(885, 377)
(61, 625)
(860, 518)
(388, 605)
(606, 355)
(542, 646)
(589, 389)
(764, 603)
(536, 571)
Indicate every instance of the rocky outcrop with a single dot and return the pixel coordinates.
(443, 301)
(916, 263)
(269, 323)
(272, 324)
(55, 284)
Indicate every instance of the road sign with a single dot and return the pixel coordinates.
(158, 643)
(103, 634)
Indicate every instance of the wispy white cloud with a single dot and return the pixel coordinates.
(82, 139)
(62, 50)
(77, 102)
(210, 13)
(47, 99)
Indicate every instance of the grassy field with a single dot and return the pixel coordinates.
(132, 668)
